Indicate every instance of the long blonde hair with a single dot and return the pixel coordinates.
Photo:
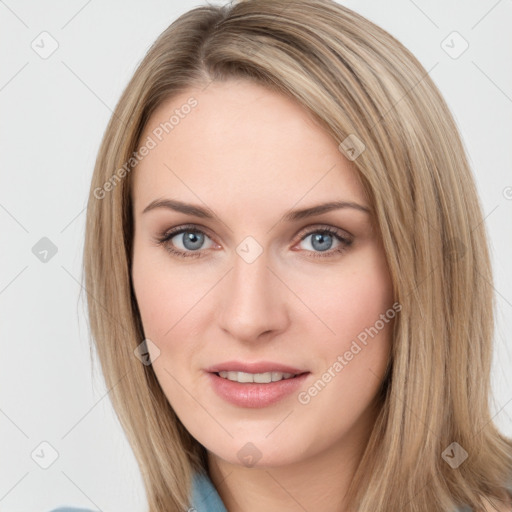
(355, 79)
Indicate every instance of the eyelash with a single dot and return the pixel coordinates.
(168, 235)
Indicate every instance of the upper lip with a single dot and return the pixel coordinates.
(254, 367)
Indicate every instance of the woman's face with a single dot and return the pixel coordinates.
(256, 284)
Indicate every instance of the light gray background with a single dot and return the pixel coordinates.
(54, 112)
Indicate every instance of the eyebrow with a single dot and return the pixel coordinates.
(290, 216)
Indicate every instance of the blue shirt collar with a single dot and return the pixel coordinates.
(205, 497)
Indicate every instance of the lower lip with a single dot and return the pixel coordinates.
(254, 395)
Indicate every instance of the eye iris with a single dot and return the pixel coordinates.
(319, 237)
(196, 239)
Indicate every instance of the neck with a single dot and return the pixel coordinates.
(318, 482)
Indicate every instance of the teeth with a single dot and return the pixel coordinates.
(263, 378)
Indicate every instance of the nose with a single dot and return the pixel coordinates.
(252, 301)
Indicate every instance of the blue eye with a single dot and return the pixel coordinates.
(192, 240)
(322, 240)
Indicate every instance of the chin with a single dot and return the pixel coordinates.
(258, 452)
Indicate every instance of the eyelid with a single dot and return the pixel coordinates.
(342, 233)
(170, 232)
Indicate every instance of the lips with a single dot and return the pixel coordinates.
(254, 367)
(259, 393)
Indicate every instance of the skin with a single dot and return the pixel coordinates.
(251, 155)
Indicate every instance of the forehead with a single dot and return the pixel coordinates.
(242, 142)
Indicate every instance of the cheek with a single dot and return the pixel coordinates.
(355, 297)
(154, 301)
(163, 296)
(359, 308)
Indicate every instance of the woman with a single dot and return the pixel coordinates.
(287, 272)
